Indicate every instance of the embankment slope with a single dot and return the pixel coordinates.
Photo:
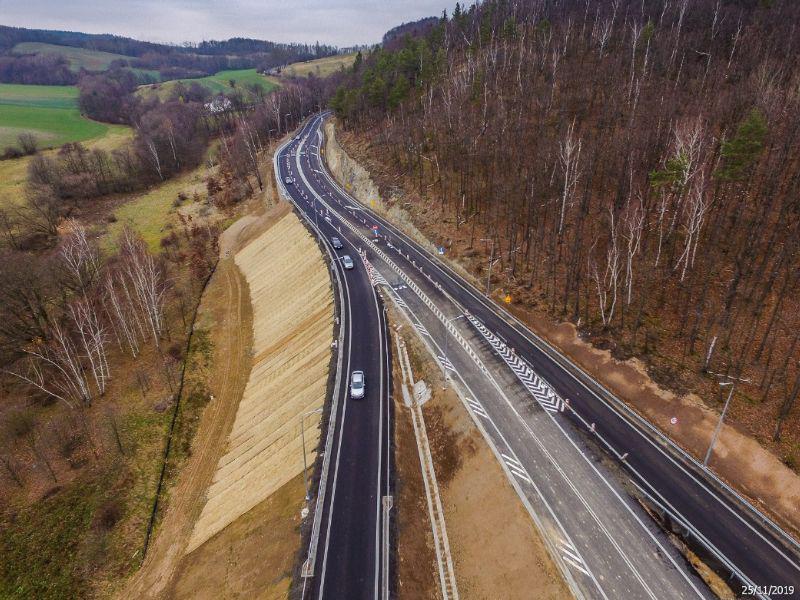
(292, 334)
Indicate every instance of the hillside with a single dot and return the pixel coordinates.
(35, 56)
(321, 67)
(630, 168)
(224, 82)
(79, 58)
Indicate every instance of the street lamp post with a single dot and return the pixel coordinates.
(446, 340)
(721, 419)
(303, 438)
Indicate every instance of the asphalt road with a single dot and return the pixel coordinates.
(350, 549)
(508, 357)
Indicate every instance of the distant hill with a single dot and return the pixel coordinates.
(413, 28)
(238, 47)
(320, 67)
(79, 58)
(37, 56)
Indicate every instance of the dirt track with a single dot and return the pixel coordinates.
(226, 311)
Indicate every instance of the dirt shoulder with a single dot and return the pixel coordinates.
(739, 458)
(251, 558)
(493, 541)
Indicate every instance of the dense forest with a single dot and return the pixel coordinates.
(634, 163)
(172, 61)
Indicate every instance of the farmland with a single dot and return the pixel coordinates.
(79, 58)
(322, 67)
(49, 112)
(14, 173)
(219, 83)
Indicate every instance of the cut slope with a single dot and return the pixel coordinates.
(292, 323)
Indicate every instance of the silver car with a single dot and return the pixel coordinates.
(337, 243)
(357, 385)
(348, 262)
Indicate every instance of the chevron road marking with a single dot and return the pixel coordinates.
(516, 468)
(446, 363)
(477, 408)
(541, 391)
(571, 556)
(421, 328)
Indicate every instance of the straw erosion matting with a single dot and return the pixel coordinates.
(292, 336)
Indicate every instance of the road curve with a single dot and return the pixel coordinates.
(349, 549)
(710, 514)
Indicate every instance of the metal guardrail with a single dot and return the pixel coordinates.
(309, 565)
(614, 403)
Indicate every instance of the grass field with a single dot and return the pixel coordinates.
(219, 83)
(49, 112)
(14, 173)
(151, 212)
(321, 67)
(79, 58)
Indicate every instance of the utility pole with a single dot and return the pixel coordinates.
(721, 419)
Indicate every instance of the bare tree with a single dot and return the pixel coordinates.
(569, 155)
(122, 313)
(93, 339)
(80, 257)
(147, 280)
(695, 209)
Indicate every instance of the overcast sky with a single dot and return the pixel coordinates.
(338, 22)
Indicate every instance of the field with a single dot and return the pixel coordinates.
(14, 173)
(79, 58)
(322, 67)
(151, 213)
(49, 112)
(219, 83)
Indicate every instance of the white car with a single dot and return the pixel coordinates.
(357, 385)
(348, 262)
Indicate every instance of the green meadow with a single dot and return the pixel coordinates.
(49, 112)
(223, 82)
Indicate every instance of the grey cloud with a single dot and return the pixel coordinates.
(339, 22)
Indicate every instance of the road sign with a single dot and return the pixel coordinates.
(441, 249)
(508, 299)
